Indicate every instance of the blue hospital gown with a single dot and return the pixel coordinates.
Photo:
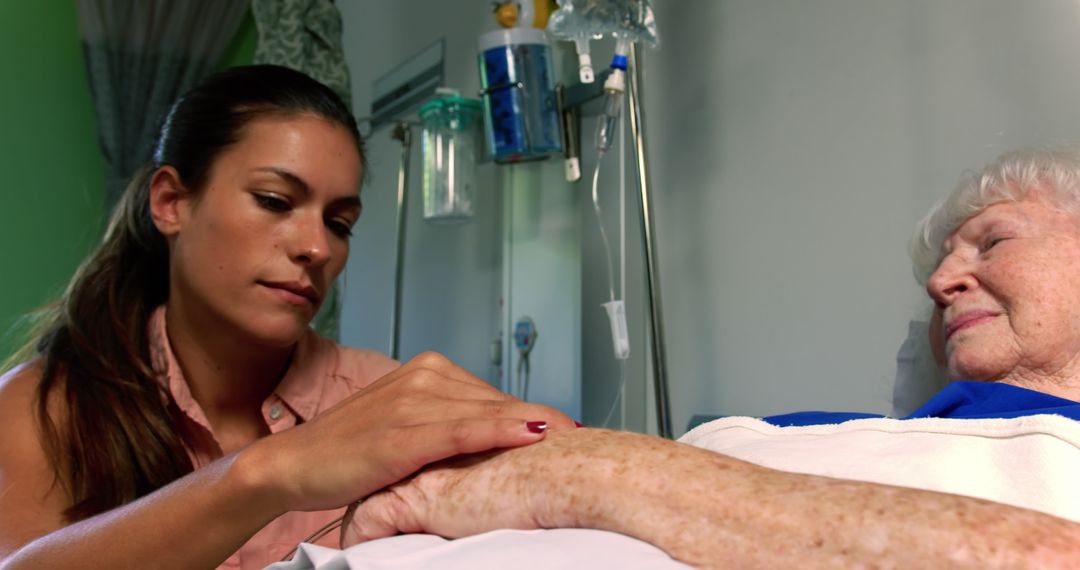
(958, 400)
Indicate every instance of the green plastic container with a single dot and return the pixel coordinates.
(450, 144)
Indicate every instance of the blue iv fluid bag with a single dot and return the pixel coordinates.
(631, 20)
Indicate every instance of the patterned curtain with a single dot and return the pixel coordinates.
(305, 35)
(140, 55)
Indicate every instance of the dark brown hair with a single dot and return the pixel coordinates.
(118, 438)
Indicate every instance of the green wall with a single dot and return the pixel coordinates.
(51, 171)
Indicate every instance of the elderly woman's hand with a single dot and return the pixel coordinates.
(466, 495)
(559, 482)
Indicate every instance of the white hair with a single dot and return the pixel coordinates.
(1009, 178)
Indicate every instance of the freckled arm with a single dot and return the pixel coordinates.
(714, 511)
(711, 510)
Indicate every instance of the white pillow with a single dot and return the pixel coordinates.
(918, 376)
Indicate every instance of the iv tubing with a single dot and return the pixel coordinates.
(621, 390)
(508, 282)
(620, 394)
(622, 260)
(619, 397)
(600, 224)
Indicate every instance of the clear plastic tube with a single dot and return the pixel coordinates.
(614, 91)
(616, 309)
(618, 397)
(608, 122)
(606, 132)
(600, 224)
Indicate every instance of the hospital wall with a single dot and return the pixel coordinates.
(795, 144)
(793, 147)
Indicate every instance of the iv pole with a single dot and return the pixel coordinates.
(648, 232)
(401, 133)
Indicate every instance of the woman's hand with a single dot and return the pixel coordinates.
(547, 485)
(425, 411)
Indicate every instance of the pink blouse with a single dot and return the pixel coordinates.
(322, 374)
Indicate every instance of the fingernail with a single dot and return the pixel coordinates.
(536, 427)
(579, 424)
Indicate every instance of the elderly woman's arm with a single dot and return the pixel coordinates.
(711, 510)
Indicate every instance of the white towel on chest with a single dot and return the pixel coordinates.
(1031, 462)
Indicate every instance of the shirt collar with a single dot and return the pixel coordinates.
(299, 389)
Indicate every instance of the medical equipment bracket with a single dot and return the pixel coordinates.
(398, 92)
(574, 97)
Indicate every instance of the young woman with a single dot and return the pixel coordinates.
(177, 410)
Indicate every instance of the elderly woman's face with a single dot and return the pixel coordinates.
(1007, 294)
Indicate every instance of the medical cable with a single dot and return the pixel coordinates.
(323, 531)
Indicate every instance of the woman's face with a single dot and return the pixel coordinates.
(258, 248)
(1007, 294)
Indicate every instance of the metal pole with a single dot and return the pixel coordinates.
(652, 272)
(403, 134)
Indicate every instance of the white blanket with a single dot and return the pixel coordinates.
(1031, 462)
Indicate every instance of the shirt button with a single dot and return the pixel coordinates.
(275, 411)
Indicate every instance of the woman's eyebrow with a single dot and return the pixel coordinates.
(291, 179)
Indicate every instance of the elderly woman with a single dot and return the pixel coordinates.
(967, 487)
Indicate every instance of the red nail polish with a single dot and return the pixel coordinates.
(536, 427)
(579, 424)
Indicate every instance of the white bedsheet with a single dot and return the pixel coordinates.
(1031, 462)
(555, 549)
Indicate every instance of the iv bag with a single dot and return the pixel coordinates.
(592, 19)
